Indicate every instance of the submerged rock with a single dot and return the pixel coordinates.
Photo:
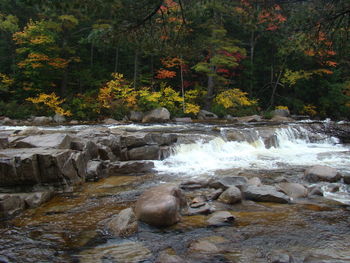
(264, 193)
(160, 205)
(124, 224)
(221, 218)
(167, 256)
(203, 246)
(319, 173)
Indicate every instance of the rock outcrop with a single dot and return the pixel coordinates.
(124, 224)
(157, 115)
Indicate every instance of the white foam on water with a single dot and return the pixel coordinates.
(295, 148)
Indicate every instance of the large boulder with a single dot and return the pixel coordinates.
(232, 195)
(124, 224)
(55, 140)
(32, 166)
(135, 116)
(264, 193)
(148, 152)
(4, 142)
(58, 118)
(157, 115)
(281, 113)
(94, 170)
(293, 190)
(41, 120)
(206, 115)
(319, 173)
(35, 199)
(160, 206)
(252, 118)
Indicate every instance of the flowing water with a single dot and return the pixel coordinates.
(71, 227)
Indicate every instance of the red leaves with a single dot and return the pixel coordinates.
(165, 74)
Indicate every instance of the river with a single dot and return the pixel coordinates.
(71, 226)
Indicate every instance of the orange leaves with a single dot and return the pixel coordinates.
(165, 74)
(331, 63)
(37, 60)
(272, 18)
(172, 62)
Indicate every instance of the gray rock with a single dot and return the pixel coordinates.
(4, 142)
(281, 113)
(30, 131)
(33, 200)
(160, 205)
(264, 193)
(253, 118)
(74, 122)
(136, 116)
(293, 190)
(319, 173)
(221, 218)
(10, 205)
(58, 118)
(255, 181)
(204, 208)
(32, 166)
(55, 140)
(281, 119)
(42, 120)
(124, 224)
(206, 115)
(184, 119)
(110, 121)
(232, 195)
(129, 167)
(193, 184)
(6, 121)
(166, 257)
(315, 190)
(215, 195)
(203, 246)
(226, 182)
(149, 152)
(281, 258)
(94, 170)
(346, 178)
(157, 115)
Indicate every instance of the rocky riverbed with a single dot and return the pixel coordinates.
(175, 193)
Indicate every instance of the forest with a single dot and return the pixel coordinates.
(94, 59)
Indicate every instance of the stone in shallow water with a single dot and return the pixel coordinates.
(293, 190)
(321, 173)
(221, 218)
(127, 251)
(123, 224)
(226, 182)
(231, 195)
(264, 193)
(160, 205)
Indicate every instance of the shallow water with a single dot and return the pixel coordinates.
(71, 226)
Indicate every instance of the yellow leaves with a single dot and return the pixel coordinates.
(233, 98)
(52, 101)
(309, 109)
(281, 107)
(191, 108)
(291, 77)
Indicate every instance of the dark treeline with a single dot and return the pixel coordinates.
(90, 59)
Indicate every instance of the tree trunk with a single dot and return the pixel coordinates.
(91, 55)
(64, 82)
(272, 100)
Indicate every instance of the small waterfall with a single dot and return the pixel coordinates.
(256, 148)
